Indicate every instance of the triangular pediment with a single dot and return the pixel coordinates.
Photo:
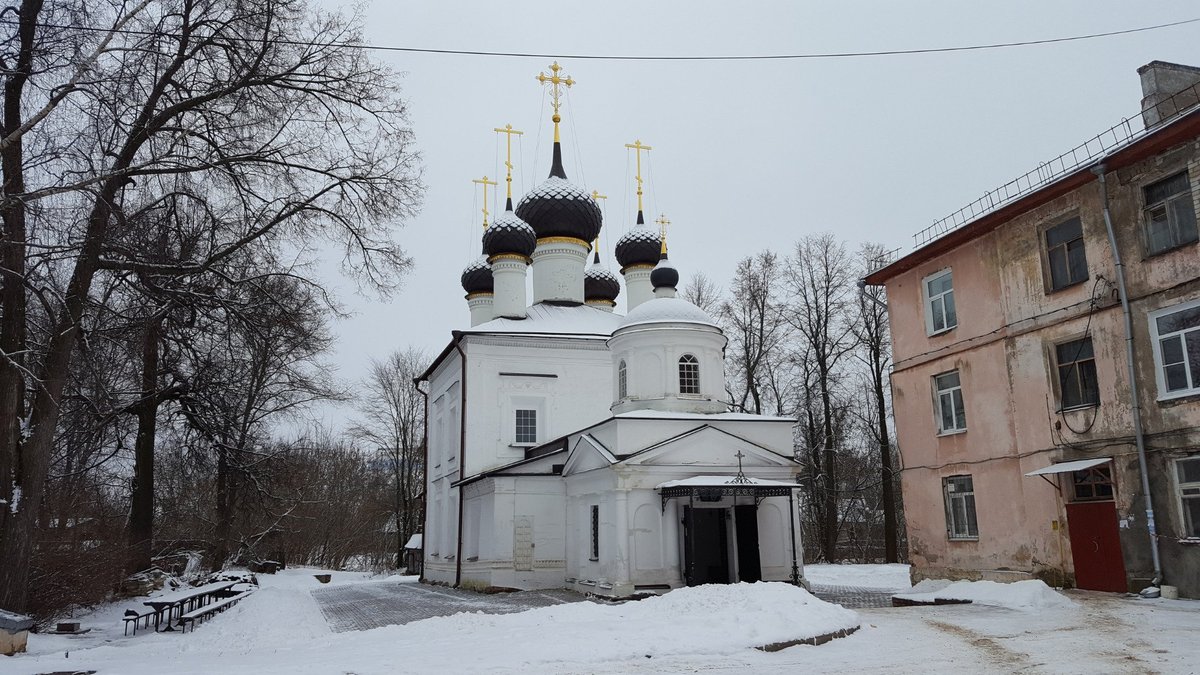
(707, 446)
(587, 454)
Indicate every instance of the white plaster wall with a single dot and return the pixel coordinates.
(652, 354)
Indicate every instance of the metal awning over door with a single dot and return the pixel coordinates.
(1070, 467)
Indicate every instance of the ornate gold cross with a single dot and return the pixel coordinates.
(662, 230)
(596, 247)
(509, 132)
(484, 182)
(637, 150)
(555, 81)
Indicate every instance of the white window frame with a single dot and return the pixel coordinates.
(941, 297)
(937, 404)
(1156, 342)
(969, 531)
(517, 424)
(622, 380)
(1186, 491)
(693, 366)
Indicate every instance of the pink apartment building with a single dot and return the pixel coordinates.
(1039, 385)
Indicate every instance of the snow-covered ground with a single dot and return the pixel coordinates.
(280, 629)
(893, 576)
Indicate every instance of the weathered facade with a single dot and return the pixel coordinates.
(1011, 357)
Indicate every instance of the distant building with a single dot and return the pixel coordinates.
(571, 446)
(1013, 399)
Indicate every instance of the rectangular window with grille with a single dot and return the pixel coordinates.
(1065, 254)
(1092, 485)
(959, 492)
(1170, 214)
(1077, 374)
(1187, 474)
(951, 412)
(1176, 341)
(594, 553)
(689, 375)
(526, 426)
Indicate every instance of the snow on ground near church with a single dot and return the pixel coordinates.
(892, 576)
(1030, 594)
(280, 629)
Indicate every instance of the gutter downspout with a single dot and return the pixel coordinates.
(425, 478)
(462, 452)
(1100, 170)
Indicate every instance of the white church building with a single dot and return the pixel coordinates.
(569, 446)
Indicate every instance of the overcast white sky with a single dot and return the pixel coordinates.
(747, 155)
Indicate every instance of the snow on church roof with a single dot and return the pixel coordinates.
(549, 319)
(723, 481)
(663, 310)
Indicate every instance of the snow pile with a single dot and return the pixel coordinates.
(893, 576)
(1031, 594)
(280, 629)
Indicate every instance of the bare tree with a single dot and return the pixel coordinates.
(870, 326)
(259, 115)
(393, 419)
(756, 326)
(703, 293)
(820, 280)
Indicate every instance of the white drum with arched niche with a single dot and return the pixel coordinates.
(674, 356)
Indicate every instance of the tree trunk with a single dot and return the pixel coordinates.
(141, 513)
(831, 512)
(891, 534)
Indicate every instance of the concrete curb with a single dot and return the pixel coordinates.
(814, 641)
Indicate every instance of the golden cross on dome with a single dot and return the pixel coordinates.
(596, 246)
(484, 182)
(637, 150)
(662, 230)
(555, 81)
(508, 132)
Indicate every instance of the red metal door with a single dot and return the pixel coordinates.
(1096, 546)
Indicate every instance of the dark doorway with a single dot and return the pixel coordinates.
(749, 568)
(706, 546)
(1096, 546)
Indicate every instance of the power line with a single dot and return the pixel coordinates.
(606, 57)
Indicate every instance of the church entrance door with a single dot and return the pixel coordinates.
(706, 546)
(749, 567)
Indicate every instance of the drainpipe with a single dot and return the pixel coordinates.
(1100, 171)
(462, 452)
(425, 479)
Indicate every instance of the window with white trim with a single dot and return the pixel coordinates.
(1170, 214)
(1187, 480)
(526, 426)
(961, 522)
(948, 401)
(689, 375)
(1175, 333)
(622, 381)
(940, 314)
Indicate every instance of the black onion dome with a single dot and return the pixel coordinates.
(664, 275)
(559, 208)
(509, 234)
(638, 246)
(600, 284)
(477, 277)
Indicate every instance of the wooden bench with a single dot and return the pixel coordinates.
(219, 606)
(132, 616)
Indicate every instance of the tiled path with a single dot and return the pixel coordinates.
(372, 605)
(854, 597)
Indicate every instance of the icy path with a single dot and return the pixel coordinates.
(374, 605)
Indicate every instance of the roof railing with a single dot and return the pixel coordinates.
(1085, 154)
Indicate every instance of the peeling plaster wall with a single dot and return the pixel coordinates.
(1008, 323)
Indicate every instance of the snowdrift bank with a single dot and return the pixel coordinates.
(891, 576)
(1025, 595)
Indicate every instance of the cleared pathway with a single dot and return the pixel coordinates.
(855, 597)
(364, 606)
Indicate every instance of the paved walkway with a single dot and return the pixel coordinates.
(369, 605)
(854, 597)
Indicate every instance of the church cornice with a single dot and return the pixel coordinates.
(580, 343)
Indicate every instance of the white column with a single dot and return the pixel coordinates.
(637, 285)
(508, 281)
(664, 292)
(671, 543)
(622, 561)
(558, 264)
(480, 305)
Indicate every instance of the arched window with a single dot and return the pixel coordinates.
(689, 375)
(622, 381)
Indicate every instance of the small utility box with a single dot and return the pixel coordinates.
(67, 627)
(14, 632)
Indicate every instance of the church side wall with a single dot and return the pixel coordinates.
(520, 541)
(441, 516)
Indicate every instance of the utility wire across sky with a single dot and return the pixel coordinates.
(731, 57)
